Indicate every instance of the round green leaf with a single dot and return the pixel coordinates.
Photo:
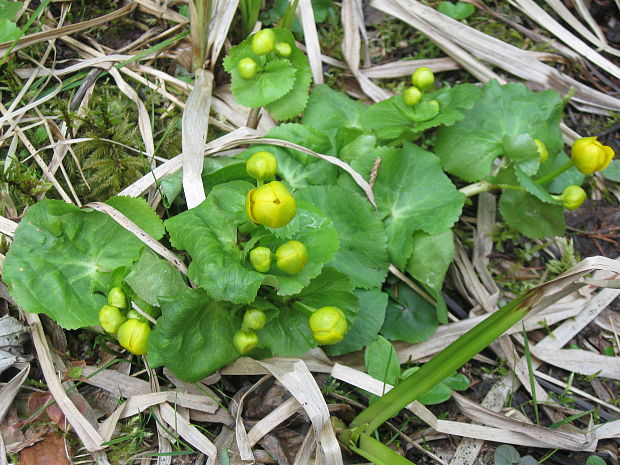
(276, 80)
(61, 261)
(194, 335)
(363, 253)
(530, 216)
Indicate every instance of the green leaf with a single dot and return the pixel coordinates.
(362, 143)
(366, 326)
(295, 101)
(289, 334)
(391, 118)
(363, 248)
(413, 193)
(529, 460)
(329, 110)
(152, 277)
(506, 455)
(537, 190)
(276, 80)
(595, 460)
(468, 148)
(429, 262)
(440, 392)
(210, 238)
(141, 213)
(381, 361)
(522, 149)
(194, 335)
(61, 261)
(9, 30)
(8, 10)
(530, 216)
(458, 10)
(409, 317)
(297, 168)
(612, 172)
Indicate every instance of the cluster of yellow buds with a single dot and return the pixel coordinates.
(272, 205)
(263, 43)
(423, 79)
(130, 328)
(246, 339)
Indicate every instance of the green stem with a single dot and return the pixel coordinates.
(303, 308)
(377, 452)
(485, 186)
(476, 188)
(447, 361)
(551, 176)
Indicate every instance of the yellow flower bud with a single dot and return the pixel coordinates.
(283, 49)
(133, 335)
(328, 325)
(423, 78)
(263, 42)
(589, 155)
(111, 318)
(412, 96)
(117, 298)
(254, 318)
(271, 205)
(260, 257)
(573, 197)
(262, 165)
(291, 257)
(542, 150)
(245, 340)
(247, 68)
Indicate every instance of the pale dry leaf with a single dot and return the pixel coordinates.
(194, 133)
(545, 20)
(311, 38)
(297, 379)
(85, 431)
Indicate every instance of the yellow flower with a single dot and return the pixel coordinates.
(589, 155)
(291, 257)
(260, 257)
(117, 298)
(573, 197)
(328, 325)
(271, 205)
(245, 340)
(542, 150)
(133, 335)
(111, 318)
(262, 165)
(254, 318)
(423, 78)
(263, 42)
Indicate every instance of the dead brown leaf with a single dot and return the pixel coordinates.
(51, 451)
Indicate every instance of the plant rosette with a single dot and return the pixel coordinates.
(284, 80)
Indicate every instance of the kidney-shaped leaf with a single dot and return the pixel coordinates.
(61, 261)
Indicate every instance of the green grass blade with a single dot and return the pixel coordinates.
(377, 452)
(530, 370)
(447, 361)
